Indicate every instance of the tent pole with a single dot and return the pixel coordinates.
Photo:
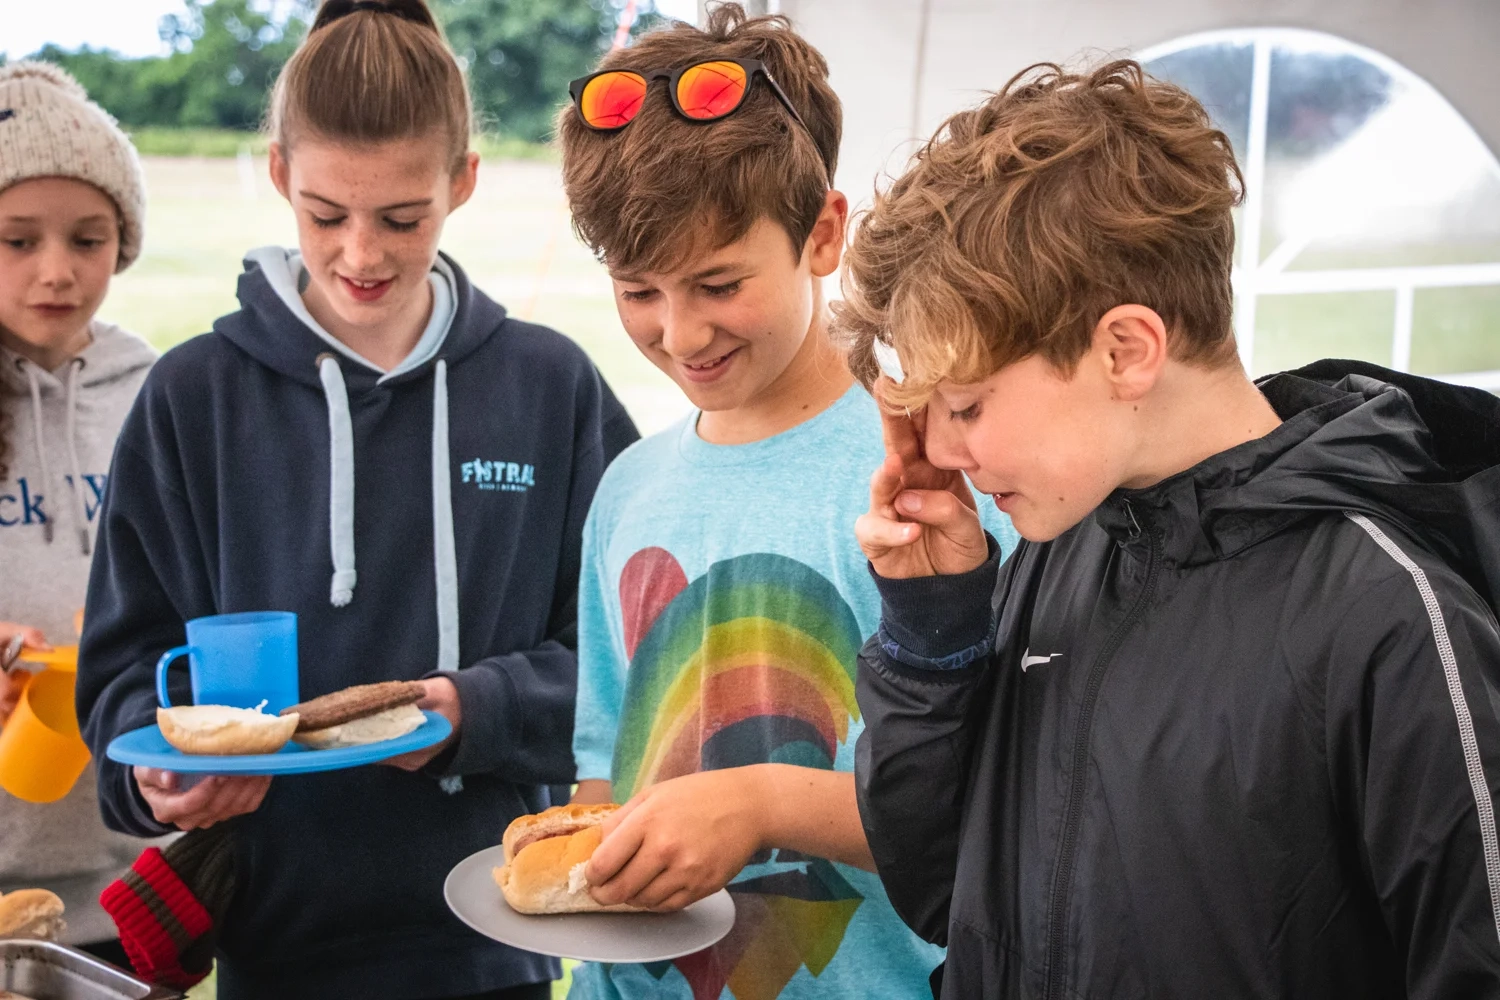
(918, 76)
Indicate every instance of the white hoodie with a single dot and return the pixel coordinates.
(62, 436)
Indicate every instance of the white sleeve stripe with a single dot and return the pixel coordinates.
(1477, 782)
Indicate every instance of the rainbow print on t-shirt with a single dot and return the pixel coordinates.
(751, 663)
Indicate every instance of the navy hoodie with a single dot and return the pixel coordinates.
(219, 501)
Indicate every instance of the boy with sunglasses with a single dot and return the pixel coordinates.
(721, 603)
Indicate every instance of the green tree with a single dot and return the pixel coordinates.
(520, 54)
(226, 56)
(115, 83)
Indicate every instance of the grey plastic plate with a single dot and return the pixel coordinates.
(474, 897)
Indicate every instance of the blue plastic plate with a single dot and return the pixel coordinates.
(148, 748)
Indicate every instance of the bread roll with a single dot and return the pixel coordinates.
(31, 913)
(220, 730)
(377, 728)
(546, 855)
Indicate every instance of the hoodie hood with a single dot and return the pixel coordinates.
(113, 355)
(51, 439)
(1420, 454)
(275, 328)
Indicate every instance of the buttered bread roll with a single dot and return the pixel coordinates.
(545, 857)
(219, 729)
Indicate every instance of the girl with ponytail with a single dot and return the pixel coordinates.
(374, 444)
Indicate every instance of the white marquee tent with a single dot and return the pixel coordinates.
(1366, 128)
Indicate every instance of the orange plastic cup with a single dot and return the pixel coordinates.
(58, 658)
(42, 754)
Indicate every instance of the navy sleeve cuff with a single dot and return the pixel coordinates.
(486, 730)
(145, 822)
(939, 622)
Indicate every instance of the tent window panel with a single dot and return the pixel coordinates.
(1294, 330)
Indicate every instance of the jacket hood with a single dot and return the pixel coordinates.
(1422, 454)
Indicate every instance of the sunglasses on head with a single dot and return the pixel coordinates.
(703, 92)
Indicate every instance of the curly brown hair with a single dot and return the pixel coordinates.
(647, 197)
(1026, 219)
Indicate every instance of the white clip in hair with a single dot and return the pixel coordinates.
(889, 361)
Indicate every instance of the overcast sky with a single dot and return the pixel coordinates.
(128, 26)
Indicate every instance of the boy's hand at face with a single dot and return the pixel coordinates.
(922, 519)
(680, 840)
(213, 799)
(442, 698)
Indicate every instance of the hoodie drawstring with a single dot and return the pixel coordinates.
(341, 511)
(41, 445)
(340, 481)
(444, 552)
(80, 505)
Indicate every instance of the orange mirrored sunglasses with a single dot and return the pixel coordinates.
(702, 92)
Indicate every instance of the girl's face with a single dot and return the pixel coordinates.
(59, 245)
(368, 222)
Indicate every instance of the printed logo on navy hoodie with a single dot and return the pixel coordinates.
(512, 477)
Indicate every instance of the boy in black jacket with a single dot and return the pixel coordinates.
(1226, 723)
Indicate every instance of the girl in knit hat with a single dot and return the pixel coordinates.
(71, 208)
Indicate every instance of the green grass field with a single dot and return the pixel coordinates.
(222, 142)
(513, 239)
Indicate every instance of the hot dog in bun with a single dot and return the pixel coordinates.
(545, 857)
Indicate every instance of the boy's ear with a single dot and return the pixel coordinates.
(825, 245)
(281, 171)
(1130, 343)
(464, 181)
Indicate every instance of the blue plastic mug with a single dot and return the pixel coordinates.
(238, 660)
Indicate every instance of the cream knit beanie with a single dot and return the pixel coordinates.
(50, 128)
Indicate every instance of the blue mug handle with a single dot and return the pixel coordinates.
(161, 671)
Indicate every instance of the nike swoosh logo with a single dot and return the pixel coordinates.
(1027, 660)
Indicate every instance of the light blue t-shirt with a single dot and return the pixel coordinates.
(722, 603)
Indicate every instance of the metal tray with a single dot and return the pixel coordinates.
(46, 971)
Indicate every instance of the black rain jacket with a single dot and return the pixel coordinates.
(1233, 735)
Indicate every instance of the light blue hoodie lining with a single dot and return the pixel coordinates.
(285, 274)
